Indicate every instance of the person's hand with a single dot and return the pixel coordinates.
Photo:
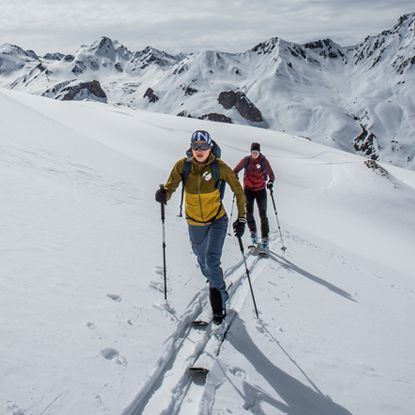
(270, 185)
(161, 196)
(239, 227)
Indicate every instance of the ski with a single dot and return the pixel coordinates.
(206, 359)
(200, 323)
(263, 253)
(253, 249)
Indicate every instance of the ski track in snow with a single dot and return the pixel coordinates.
(169, 378)
(169, 389)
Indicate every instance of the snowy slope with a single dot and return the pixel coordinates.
(83, 323)
(356, 98)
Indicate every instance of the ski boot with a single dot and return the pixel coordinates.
(254, 241)
(218, 310)
(263, 249)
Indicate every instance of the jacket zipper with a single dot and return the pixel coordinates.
(200, 199)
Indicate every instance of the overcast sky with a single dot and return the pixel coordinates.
(189, 25)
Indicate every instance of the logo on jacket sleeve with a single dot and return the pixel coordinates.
(207, 175)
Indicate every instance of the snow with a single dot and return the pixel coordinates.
(83, 323)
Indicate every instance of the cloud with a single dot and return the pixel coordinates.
(183, 25)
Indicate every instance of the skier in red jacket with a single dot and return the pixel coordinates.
(258, 176)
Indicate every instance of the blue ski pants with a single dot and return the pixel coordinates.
(207, 244)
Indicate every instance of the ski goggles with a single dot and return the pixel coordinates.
(255, 152)
(200, 146)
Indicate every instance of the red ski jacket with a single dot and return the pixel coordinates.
(256, 172)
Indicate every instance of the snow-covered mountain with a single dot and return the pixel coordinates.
(84, 327)
(356, 98)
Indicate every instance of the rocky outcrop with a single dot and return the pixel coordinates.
(188, 90)
(214, 116)
(79, 67)
(266, 47)
(365, 144)
(327, 49)
(54, 56)
(240, 101)
(56, 89)
(91, 91)
(151, 56)
(184, 113)
(401, 64)
(151, 95)
(371, 164)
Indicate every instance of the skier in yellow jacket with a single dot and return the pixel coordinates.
(205, 214)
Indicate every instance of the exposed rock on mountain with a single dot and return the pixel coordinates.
(151, 95)
(149, 56)
(365, 144)
(213, 116)
(188, 90)
(90, 91)
(13, 58)
(53, 56)
(241, 102)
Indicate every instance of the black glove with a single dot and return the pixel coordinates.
(239, 227)
(161, 196)
(270, 185)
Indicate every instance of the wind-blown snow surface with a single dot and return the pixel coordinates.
(83, 325)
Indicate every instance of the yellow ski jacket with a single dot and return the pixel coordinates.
(202, 202)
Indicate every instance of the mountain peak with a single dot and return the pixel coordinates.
(266, 47)
(10, 49)
(406, 19)
(149, 55)
(103, 47)
(326, 48)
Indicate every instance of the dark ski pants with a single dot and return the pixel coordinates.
(207, 244)
(261, 199)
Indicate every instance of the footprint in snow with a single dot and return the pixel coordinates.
(238, 372)
(167, 310)
(112, 354)
(159, 270)
(15, 410)
(157, 285)
(115, 297)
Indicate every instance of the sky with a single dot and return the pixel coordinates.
(187, 25)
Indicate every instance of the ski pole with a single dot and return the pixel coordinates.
(163, 217)
(283, 248)
(230, 219)
(247, 274)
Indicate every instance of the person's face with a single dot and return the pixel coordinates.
(255, 154)
(200, 151)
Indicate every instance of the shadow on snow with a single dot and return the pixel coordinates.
(297, 398)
